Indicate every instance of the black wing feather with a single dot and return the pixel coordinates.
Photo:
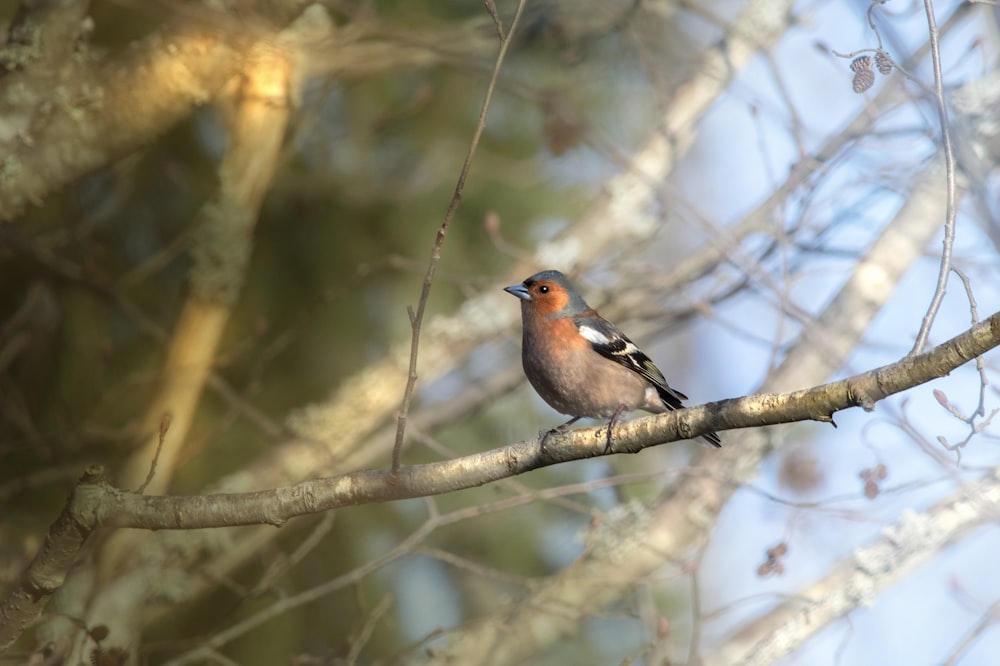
(620, 349)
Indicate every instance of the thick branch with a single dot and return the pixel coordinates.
(107, 111)
(94, 503)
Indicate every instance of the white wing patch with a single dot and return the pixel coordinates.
(593, 335)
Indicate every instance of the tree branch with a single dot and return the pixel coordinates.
(686, 515)
(624, 215)
(951, 207)
(94, 503)
(113, 108)
(857, 581)
(256, 108)
(417, 318)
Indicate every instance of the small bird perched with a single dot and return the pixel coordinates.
(580, 363)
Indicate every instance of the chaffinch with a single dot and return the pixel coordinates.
(580, 363)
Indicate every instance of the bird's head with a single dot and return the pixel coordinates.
(549, 293)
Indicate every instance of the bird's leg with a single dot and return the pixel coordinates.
(611, 424)
(561, 428)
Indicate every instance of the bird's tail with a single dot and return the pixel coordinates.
(712, 439)
(673, 399)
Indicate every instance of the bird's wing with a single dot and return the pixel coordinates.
(608, 341)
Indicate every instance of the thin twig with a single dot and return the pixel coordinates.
(988, 619)
(286, 564)
(974, 316)
(984, 382)
(491, 9)
(417, 318)
(371, 622)
(871, 21)
(949, 158)
(694, 645)
(164, 427)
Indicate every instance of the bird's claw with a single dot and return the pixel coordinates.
(545, 438)
(608, 444)
(611, 424)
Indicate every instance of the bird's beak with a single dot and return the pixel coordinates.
(518, 290)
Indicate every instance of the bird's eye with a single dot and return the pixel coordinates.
(543, 289)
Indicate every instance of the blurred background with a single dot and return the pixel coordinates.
(714, 176)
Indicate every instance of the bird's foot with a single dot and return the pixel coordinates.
(611, 424)
(558, 429)
(548, 433)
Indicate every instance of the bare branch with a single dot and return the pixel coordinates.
(417, 319)
(949, 161)
(95, 503)
(117, 108)
(624, 215)
(989, 618)
(257, 108)
(687, 514)
(858, 580)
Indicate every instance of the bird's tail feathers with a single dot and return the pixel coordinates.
(673, 398)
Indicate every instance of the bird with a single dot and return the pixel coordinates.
(580, 363)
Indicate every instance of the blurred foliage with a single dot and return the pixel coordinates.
(96, 275)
